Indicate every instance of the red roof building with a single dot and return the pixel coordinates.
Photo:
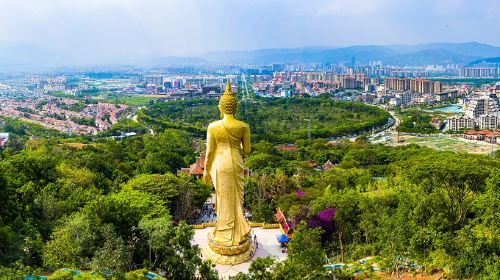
(282, 220)
(288, 147)
(482, 135)
(197, 168)
(328, 165)
(436, 123)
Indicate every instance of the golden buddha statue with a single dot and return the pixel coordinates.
(230, 240)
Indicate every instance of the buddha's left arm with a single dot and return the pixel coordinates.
(246, 141)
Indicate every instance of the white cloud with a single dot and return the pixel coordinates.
(348, 8)
(96, 28)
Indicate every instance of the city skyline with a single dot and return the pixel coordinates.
(96, 30)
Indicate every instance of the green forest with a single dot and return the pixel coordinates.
(437, 209)
(413, 121)
(118, 209)
(270, 118)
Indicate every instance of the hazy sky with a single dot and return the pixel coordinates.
(191, 27)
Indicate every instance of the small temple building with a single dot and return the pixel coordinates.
(198, 167)
(328, 165)
(195, 169)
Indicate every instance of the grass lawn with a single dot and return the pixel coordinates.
(128, 99)
(452, 144)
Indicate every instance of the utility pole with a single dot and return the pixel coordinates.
(493, 140)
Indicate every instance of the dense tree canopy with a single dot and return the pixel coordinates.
(270, 118)
(103, 207)
(118, 207)
(405, 203)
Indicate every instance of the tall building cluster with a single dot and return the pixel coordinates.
(481, 110)
(181, 81)
(415, 85)
(327, 80)
(480, 72)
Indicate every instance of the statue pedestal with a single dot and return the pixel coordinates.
(229, 255)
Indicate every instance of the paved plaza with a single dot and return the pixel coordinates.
(267, 246)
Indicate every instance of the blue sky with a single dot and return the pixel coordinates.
(192, 27)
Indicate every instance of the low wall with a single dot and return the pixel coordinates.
(261, 225)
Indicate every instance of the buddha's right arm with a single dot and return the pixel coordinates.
(246, 141)
(209, 157)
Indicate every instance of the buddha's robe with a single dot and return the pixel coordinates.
(224, 165)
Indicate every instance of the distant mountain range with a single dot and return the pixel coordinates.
(486, 61)
(22, 56)
(412, 55)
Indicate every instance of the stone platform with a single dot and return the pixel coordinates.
(268, 246)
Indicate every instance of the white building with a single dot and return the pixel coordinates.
(406, 97)
(482, 104)
(457, 123)
(488, 122)
(484, 108)
(395, 102)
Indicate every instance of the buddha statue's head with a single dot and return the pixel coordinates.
(228, 103)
